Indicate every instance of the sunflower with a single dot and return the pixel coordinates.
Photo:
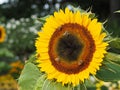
(2, 34)
(70, 47)
(8, 83)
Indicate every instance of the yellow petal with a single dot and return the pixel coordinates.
(95, 28)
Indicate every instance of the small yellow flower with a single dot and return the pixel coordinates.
(2, 34)
(16, 67)
(99, 85)
(70, 47)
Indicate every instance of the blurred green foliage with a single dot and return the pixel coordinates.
(113, 27)
(21, 35)
(19, 43)
(4, 67)
(25, 8)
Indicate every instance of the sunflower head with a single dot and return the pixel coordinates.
(8, 83)
(70, 46)
(2, 34)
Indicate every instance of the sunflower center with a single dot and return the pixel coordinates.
(69, 47)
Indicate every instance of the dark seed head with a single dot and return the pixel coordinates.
(69, 47)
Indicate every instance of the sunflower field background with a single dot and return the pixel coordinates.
(21, 20)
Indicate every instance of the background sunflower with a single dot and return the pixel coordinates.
(2, 34)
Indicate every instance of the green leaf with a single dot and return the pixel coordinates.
(115, 43)
(90, 83)
(113, 57)
(6, 53)
(43, 19)
(92, 15)
(80, 87)
(110, 71)
(78, 9)
(59, 86)
(29, 77)
(83, 87)
(40, 82)
(32, 58)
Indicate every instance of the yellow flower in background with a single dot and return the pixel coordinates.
(16, 67)
(99, 85)
(8, 83)
(70, 47)
(2, 34)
